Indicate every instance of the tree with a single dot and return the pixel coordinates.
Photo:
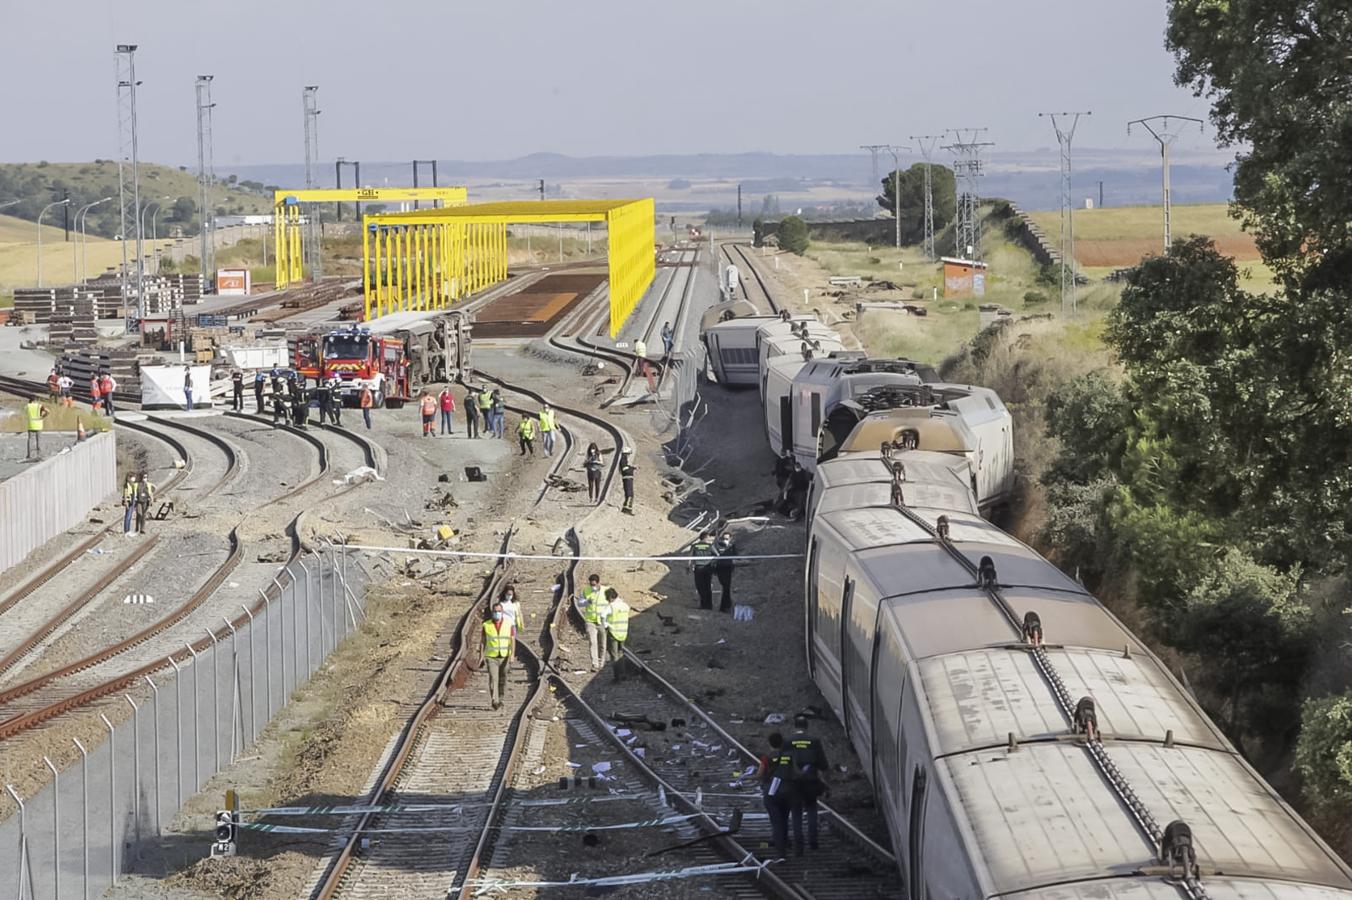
(1277, 73)
(769, 207)
(1324, 752)
(912, 186)
(793, 235)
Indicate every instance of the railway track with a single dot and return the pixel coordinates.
(736, 252)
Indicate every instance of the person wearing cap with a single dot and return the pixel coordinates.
(705, 557)
(809, 761)
(627, 471)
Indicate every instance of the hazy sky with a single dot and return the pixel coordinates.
(497, 79)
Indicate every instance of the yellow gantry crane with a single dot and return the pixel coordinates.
(428, 259)
(287, 213)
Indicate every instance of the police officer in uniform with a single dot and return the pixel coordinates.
(703, 567)
(778, 790)
(627, 471)
(237, 390)
(809, 759)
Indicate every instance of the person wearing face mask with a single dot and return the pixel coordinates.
(496, 652)
(723, 569)
(511, 610)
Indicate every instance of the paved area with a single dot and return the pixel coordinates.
(19, 362)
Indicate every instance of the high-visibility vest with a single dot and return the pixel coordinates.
(595, 598)
(95, 388)
(485, 400)
(526, 429)
(128, 492)
(367, 401)
(429, 405)
(640, 348)
(618, 623)
(497, 639)
(33, 409)
(546, 420)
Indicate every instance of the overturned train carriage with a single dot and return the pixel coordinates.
(1011, 767)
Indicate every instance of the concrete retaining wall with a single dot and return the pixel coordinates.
(41, 502)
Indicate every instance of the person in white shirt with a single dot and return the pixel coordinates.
(511, 607)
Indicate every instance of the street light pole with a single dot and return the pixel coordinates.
(83, 224)
(40, 215)
(76, 249)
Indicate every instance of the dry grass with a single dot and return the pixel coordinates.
(60, 418)
(19, 261)
(1124, 235)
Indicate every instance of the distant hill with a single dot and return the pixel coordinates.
(1030, 178)
(37, 184)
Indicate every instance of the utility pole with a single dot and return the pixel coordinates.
(739, 205)
(873, 152)
(424, 162)
(129, 173)
(927, 143)
(205, 176)
(310, 107)
(1100, 195)
(542, 189)
(895, 150)
(967, 171)
(1064, 135)
(1165, 133)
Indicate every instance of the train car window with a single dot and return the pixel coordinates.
(889, 683)
(812, 606)
(786, 424)
(916, 834)
(816, 413)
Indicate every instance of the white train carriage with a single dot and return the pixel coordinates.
(784, 348)
(728, 331)
(937, 482)
(985, 790)
(830, 397)
(971, 422)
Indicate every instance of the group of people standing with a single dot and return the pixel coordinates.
(793, 779)
(713, 557)
(291, 400)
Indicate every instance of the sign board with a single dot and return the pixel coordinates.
(233, 282)
(162, 387)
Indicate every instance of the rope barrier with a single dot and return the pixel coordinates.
(489, 885)
(661, 822)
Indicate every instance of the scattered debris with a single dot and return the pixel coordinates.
(774, 719)
(362, 475)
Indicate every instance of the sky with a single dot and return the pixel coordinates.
(498, 79)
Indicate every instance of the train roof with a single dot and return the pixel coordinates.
(415, 320)
(1035, 816)
(938, 430)
(851, 363)
(940, 482)
(1136, 888)
(732, 310)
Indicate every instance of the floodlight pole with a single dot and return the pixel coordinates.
(1160, 130)
(1064, 136)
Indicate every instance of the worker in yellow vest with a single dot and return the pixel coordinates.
(594, 608)
(547, 428)
(525, 433)
(34, 412)
(496, 652)
(617, 632)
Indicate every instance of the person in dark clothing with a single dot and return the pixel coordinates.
(795, 491)
(336, 401)
(703, 567)
(593, 465)
(783, 469)
(237, 390)
(300, 405)
(472, 413)
(259, 381)
(321, 395)
(809, 761)
(627, 471)
(726, 550)
(279, 410)
(778, 790)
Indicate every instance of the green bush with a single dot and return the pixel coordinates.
(1034, 298)
(793, 235)
(1324, 752)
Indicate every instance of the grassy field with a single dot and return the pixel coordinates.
(1013, 282)
(19, 261)
(1119, 236)
(19, 231)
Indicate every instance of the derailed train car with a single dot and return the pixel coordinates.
(1022, 743)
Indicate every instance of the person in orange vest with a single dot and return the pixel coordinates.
(108, 387)
(95, 394)
(427, 404)
(53, 386)
(496, 653)
(367, 402)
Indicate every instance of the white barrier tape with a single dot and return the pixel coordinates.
(488, 554)
(487, 885)
(268, 828)
(429, 807)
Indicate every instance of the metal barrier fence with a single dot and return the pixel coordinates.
(91, 822)
(43, 501)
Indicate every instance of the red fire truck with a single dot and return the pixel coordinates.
(394, 355)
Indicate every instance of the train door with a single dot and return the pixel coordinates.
(714, 356)
(915, 844)
(811, 631)
(846, 600)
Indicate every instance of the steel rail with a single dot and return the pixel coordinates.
(760, 280)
